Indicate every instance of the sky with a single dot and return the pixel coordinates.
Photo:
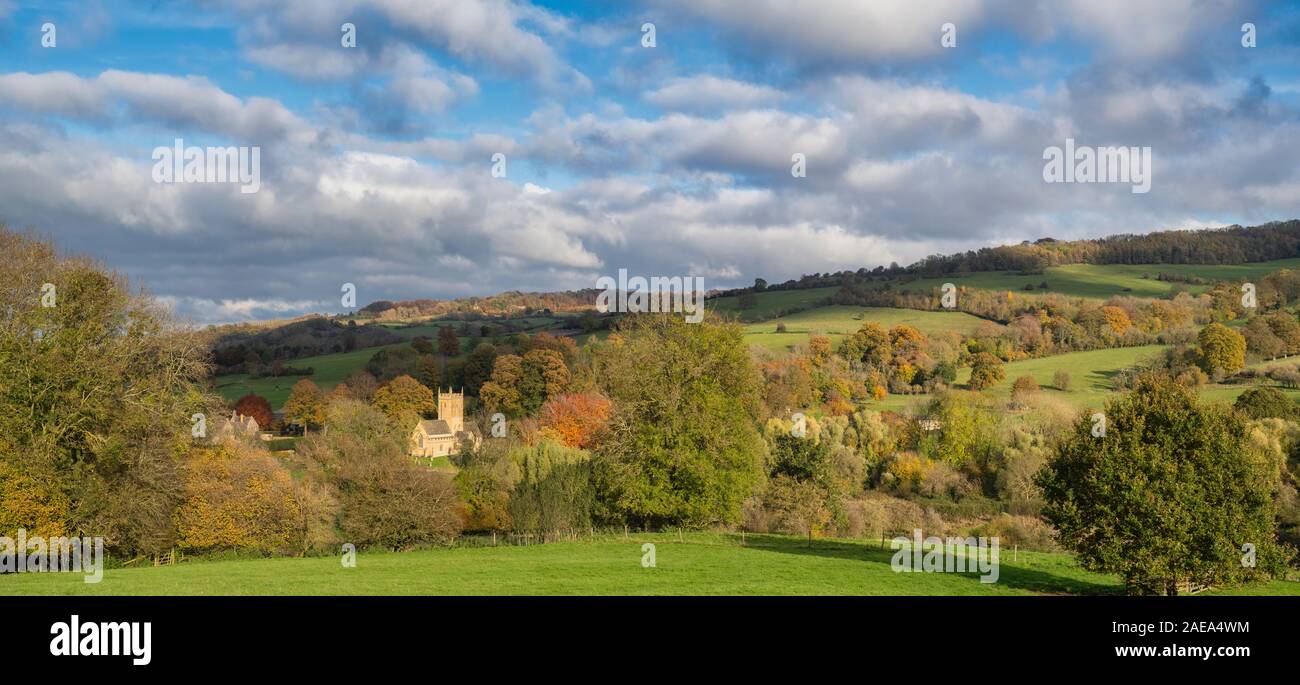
(380, 162)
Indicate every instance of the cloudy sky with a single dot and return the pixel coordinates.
(377, 160)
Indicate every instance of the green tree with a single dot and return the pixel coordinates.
(98, 386)
(1221, 348)
(387, 500)
(1168, 495)
(1265, 403)
(684, 445)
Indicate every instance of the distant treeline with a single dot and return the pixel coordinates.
(261, 352)
(1230, 245)
(508, 303)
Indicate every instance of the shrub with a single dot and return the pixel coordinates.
(1264, 403)
(1023, 388)
(1061, 379)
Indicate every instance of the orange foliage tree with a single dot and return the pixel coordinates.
(576, 418)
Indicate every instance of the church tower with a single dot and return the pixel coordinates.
(451, 408)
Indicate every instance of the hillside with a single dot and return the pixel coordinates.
(837, 321)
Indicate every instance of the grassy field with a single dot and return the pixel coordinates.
(700, 564)
(331, 369)
(837, 321)
(1090, 372)
(770, 302)
(1106, 280)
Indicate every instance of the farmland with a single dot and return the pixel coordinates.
(837, 321)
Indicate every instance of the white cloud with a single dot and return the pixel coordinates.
(709, 93)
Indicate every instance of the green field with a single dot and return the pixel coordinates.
(1090, 372)
(1090, 376)
(770, 302)
(331, 369)
(1105, 280)
(699, 564)
(836, 321)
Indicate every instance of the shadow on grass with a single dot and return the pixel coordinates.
(1016, 575)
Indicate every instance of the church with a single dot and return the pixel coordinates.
(444, 435)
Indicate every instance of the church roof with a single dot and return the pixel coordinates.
(434, 427)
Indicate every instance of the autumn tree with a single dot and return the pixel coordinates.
(869, 345)
(362, 385)
(306, 404)
(1023, 388)
(1061, 379)
(238, 497)
(986, 371)
(501, 394)
(520, 385)
(577, 418)
(1168, 496)
(1221, 348)
(1287, 329)
(1261, 340)
(405, 398)
(258, 408)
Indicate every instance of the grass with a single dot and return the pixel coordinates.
(770, 302)
(702, 564)
(1091, 376)
(1106, 280)
(699, 564)
(1091, 372)
(331, 369)
(837, 321)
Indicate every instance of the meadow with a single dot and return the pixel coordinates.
(698, 563)
(837, 321)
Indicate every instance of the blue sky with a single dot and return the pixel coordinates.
(665, 160)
